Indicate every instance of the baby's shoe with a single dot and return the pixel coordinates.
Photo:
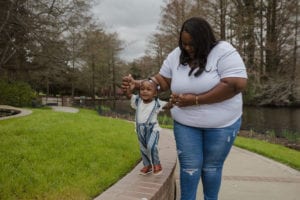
(157, 169)
(146, 170)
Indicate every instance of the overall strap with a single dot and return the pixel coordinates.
(137, 102)
(156, 105)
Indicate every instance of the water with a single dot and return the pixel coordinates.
(8, 112)
(262, 119)
(259, 119)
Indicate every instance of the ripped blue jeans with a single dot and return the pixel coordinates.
(201, 153)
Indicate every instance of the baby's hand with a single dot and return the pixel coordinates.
(168, 106)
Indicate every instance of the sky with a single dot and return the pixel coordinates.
(134, 21)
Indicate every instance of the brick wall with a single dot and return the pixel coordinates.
(150, 187)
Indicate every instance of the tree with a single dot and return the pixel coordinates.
(77, 22)
(166, 39)
(32, 36)
(101, 57)
(265, 33)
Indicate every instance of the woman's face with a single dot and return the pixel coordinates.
(187, 44)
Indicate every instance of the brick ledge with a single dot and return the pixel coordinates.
(150, 187)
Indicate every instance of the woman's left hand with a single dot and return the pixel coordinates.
(182, 100)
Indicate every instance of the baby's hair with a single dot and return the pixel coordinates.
(152, 79)
(156, 87)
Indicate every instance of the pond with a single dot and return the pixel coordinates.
(260, 119)
(8, 112)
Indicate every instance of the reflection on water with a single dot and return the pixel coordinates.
(259, 119)
(277, 119)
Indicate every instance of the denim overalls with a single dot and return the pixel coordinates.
(147, 136)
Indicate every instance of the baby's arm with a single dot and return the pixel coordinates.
(166, 105)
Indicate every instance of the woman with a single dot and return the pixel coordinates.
(206, 78)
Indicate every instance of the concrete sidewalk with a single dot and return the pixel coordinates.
(65, 109)
(249, 176)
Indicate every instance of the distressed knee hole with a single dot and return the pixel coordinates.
(228, 139)
(190, 171)
(179, 151)
(234, 134)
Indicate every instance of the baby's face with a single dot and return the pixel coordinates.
(147, 91)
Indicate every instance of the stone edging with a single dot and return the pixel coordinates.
(23, 112)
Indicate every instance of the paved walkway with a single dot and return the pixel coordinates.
(65, 109)
(24, 112)
(249, 176)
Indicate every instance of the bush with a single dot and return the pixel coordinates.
(16, 94)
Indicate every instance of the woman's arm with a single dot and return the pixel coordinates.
(226, 89)
(129, 82)
(163, 82)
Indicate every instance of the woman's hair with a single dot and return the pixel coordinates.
(203, 41)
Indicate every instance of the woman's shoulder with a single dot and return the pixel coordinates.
(170, 62)
(175, 52)
(224, 46)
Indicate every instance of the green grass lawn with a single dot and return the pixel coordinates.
(57, 155)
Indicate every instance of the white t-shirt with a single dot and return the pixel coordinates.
(223, 61)
(145, 110)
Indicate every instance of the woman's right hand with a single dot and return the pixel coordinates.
(183, 100)
(127, 83)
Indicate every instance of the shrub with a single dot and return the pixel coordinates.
(16, 94)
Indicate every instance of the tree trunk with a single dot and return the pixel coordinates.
(250, 36)
(262, 69)
(272, 37)
(296, 67)
(223, 8)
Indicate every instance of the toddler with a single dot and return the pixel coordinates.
(147, 107)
